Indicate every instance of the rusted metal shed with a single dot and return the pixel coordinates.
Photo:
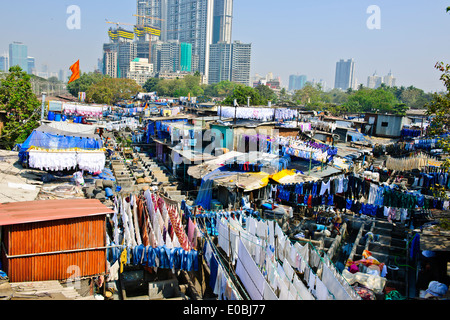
(53, 239)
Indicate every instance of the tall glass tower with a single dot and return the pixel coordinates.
(345, 75)
(18, 55)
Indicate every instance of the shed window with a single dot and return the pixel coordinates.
(384, 124)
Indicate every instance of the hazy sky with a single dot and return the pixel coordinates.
(288, 36)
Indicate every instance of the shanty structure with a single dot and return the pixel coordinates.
(53, 239)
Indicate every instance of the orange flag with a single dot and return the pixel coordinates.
(75, 68)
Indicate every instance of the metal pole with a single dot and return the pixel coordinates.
(310, 163)
(43, 106)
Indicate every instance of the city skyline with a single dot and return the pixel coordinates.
(295, 37)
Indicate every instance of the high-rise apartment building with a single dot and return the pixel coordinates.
(240, 62)
(230, 61)
(220, 62)
(126, 52)
(223, 21)
(61, 75)
(18, 55)
(345, 75)
(31, 65)
(389, 80)
(4, 63)
(170, 56)
(191, 21)
(196, 22)
(156, 10)
(110, 62)
(374, 81)
(296, 82)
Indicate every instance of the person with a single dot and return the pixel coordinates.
(337, 222)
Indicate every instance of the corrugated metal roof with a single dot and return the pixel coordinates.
(47, 210)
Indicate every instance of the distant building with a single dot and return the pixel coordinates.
(126, 52)
(31, 62)
(345, 75)
(100, 64)
(389, 80)
(185, 57)
(110, 63)
(374, 81)
(173, 75)
(321, 83)
(18, 55)
(296, 82)
(140, 71)
(170, 56)
(223, 20)
(4, 63)
(230, 61)
(156, 9)
(61, 75)
(219, 62)
(241, 62)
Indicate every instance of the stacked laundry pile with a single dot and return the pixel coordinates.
(52, 149)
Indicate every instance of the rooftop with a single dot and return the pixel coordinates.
(48, 210)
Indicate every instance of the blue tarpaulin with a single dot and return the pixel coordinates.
(205, 192)
(46, 137)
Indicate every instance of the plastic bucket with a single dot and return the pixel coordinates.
(51, 116)
(109, 192)
(57, 117)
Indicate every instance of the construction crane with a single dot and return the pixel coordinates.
(147, 17)
(150, 36)
(119, 31)
(119, 23)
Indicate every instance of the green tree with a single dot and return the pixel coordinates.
(439, 108)
(151, 84)
(112, 90)
(337, 96)
(85, 81)
(266, 94)
(192, 84)
(310, 96)
(285, 98)
(221, 89)
(372, 100)
(241, 93)
(21, 106)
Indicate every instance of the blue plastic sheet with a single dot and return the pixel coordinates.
(50, 138)
(205, 192)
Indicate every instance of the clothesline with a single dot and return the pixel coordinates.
(149, 229)
(315, 282)
(264, 114)
(417, 161)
